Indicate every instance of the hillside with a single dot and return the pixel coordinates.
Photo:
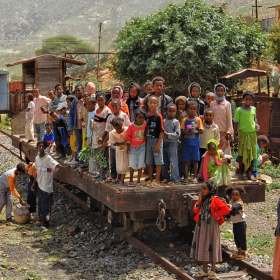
(25, 24)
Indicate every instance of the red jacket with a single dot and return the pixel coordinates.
(217, 207)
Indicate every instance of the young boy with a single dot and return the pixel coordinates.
(171, 137)
(29, 116)
(209, 98)
(211, 131)
(83, 116)
(45, 166)
(98, 136)
(91, 103)
(116, 108)
(7, 188)
(155, 133)
(191, 128)
(49, 136)
(222, 117)
(163, 99)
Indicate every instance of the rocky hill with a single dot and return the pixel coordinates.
(25, 24)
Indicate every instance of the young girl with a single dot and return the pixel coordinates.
(214, 166)
(148, 87)
(117, 92)
(209, 211)
(125, 95)
(181, 103)
(117, 138)
(237, 217)
(136, 141)
(245, 120)
(29, 116)
(134, 101)
(222, 117)
(194, 95)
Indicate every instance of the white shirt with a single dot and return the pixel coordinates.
(29, 115)
(45, 167)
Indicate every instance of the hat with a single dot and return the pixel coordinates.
(181, 97)
(61, 106)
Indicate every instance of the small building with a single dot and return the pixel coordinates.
(276, 12)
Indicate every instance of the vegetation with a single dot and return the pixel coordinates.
(61, 44)
(274, 39)
(185, 43)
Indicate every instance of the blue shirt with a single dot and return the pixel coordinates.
(48, 138)
(191, 140)
(90, 117)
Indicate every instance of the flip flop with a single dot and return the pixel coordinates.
(155, 185)
(201, 273)
(212, 275)
(131, 184)
(165, 181)
(186, 181)
(139, 185)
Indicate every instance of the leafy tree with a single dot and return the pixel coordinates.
(185, 43)
(274, 39)
(60, 44)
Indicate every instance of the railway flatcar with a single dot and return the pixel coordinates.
(136, 208)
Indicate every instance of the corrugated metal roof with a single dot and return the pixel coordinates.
(245, 73)
(65, 59)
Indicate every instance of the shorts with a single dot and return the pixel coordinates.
(136, 159)
(191, 153)
(153, 158)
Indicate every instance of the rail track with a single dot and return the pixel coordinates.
(156, 255)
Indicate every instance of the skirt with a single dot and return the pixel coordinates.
(206, 245)
(121, 161)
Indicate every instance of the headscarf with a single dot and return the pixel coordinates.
(205, 214)
(121, 92)
(91, 87)
(181, 97)
(219, 99)
(133, 85)
(193, 85)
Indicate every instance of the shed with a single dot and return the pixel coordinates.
(276, 11)
(247, 73)
(44, 71)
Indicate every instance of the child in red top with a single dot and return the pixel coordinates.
(136, 141)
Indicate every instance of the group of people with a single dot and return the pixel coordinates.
(135, 132)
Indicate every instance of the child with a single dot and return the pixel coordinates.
(209, 213)
(98, 136)
(163, 99)
(148, 87)
(136, 141)
(194, 91)
(117, 92)
(276, 258)
(125, 95)
(29, 116)
(222, 117)
(116, 107)
(181, 103)
(209, 98)
(191, 127)
(117, 138)
(214, 166)
(262, 143)
(45, 166)
(91, 103)
(7, 188)
(49, 136)
(83, 116)
(69, 99)
(237, 217)
(245, 121)
(171, 137)
(155, 133)
(134, 101)
(211, 130)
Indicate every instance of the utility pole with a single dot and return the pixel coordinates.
(98, 55)
(258, 61)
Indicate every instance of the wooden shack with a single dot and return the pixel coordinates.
(44, 72)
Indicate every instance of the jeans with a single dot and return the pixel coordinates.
(170, 159)
(6, 199)
(79, 141)
(39, 130)
(45, 205)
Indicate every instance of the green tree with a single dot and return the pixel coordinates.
(60, 44)
(274, 39)
(185, 43)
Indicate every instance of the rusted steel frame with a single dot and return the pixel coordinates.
(154, 256)
(251, 269)
(82, 203)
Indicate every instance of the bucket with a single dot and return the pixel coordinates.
(22, 214)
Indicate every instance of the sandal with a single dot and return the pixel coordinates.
(233, 256)
(201, 273)
(165, 181)
(186, 181)
(131, 184)
(139, 185)
(240, 257)
(212, 275)
(155, 185)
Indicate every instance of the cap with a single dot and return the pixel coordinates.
(61, 106)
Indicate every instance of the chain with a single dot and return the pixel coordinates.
(161, 223)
